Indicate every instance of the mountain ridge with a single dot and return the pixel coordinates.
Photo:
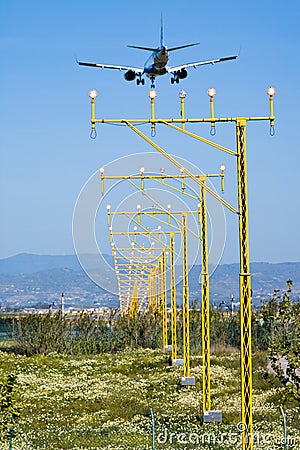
(30, 262)
(42, 279)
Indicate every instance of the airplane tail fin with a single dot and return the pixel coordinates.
(162, 45)
(161, 31)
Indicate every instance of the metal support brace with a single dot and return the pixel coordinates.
(179, 165)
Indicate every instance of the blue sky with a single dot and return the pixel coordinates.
(46, 153)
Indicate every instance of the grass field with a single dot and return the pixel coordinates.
(103, 402)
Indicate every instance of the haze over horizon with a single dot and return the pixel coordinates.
(17, 255)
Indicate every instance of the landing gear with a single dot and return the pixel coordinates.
(140, 80)
(152, 82)
(174, 80)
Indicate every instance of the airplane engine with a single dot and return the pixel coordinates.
(182, 74)
(130, 75)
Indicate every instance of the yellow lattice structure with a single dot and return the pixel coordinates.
(134, 305)
(242, 212)
(205, 299)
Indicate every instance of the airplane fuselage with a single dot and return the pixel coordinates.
(156, 63)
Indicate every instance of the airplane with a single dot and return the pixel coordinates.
(156, 64)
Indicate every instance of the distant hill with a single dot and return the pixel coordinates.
(27, 279)
(265, 277)
(29, 263)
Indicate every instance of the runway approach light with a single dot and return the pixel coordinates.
(211, 92)
(182, 94)
(93, 94)
(271, 91)
(152, 94)
(222, 168)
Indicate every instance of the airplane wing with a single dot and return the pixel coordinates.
(199, 63)
(111, 66)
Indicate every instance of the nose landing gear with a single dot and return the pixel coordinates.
(140, 80)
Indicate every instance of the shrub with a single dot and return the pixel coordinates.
(8, 411)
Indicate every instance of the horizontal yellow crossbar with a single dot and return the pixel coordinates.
(196, 120)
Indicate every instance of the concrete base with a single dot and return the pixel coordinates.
(178, 362)
(212, 416)
(188, 381)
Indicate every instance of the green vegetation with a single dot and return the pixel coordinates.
(88, 383)
(103, 401)
(282, 317)
(8, 410)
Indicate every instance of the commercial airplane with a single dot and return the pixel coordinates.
(156, 64)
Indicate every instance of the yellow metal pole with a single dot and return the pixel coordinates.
(153, 131)
(155, 288)
(182, 111)
(152, 95)
(142, 170)
(150, 296)
(159, 286)
(139, 214)
(272, 118)
(205, 299)
(164, 300)
(185, 302)
(173, 300)
(134, 306)
(223, 167)
(93, 114)
(108, 214)
(102, 180)
(182, 179)
(245, 288)
(211, 93)
(212, 113)
(152, 110)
